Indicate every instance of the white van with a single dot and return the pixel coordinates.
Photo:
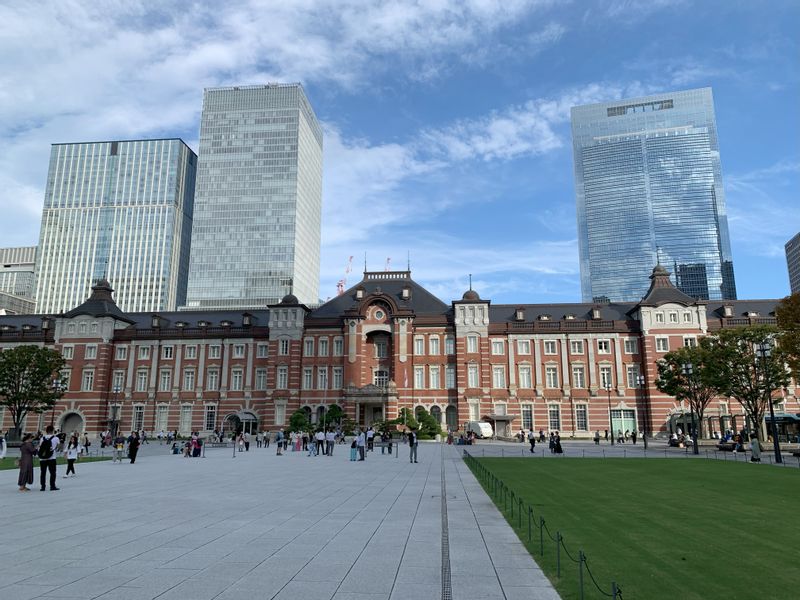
(480, 428)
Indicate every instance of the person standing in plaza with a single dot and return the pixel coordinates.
(330, 441)
(755, 449)
(266, 439)
(319, 441)
(71, 454)
(48, 446)
(3, 445)
(557, 444)
(133, 446)
(279, 442)
(370, 439)
(596, 437)
(360, 442)
(633, 436)
(532, 440)
(259, 437)
(412, 446)
(26, 452)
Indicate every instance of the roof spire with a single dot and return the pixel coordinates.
(470, 281)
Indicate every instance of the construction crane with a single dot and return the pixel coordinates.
(341, 285)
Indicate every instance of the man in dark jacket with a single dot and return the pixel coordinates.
(133, 446)
(412, 445)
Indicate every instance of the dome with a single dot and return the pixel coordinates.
(470, 295)
(290, 299)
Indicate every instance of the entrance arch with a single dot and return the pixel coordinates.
(72, 421)
(436, 413)
(451, 416)
(232, 423)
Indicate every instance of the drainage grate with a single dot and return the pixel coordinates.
(447, 590)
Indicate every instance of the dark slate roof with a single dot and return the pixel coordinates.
(99, 304)
(258, 318)
(662, 291)
(614, 311)
(764, 308)
(391, 283)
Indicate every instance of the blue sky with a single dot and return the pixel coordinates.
(446, 122)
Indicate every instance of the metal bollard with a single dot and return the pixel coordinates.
(541, 535)
(614, 591)
(580, 572)
(558, 554)
(530, 513)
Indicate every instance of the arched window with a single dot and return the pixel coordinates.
(436, 413)
(451, 415)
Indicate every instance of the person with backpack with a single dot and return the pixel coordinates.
(47, 458)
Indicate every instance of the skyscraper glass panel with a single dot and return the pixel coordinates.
(648, 183)
(258, 213)
(119, 210)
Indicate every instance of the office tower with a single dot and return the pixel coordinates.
(17, 279)
(258, 210)
(648, 183)
(793, 263)
(120, 210)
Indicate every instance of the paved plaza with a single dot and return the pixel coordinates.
(264, 526)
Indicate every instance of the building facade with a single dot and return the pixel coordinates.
(384, 345)
(17, 280)
(793, 263)
(121, 210)
(258, 215)
(648, 186)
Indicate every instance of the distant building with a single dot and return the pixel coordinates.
(121, 210)
(258, 212)
(648, 183)
(17, 279)
(793, 263)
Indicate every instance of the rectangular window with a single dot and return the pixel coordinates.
(659, 317)
(551, 376)
(449, 345)
(581, 417)
(605, 377)
(554, 417)
(167, 352)
(88, 381)
(497, 347)
(472, 376)
(185, 426)
(631, 346)
(212, 380)
(604, 346)
(323, 347)
(549, 346)
(214, 351)
(337, 378)
(236, 380)
(433, 345)
(262, 351)
(68, 352)
(338, 346)
(165, 380)
(144, 352)
(523, 347)
(141, 380)
(690, 342)
(723, 408)
(498, 377)
(525, 380)
(118, 380)
(450, 377)
(662, 344)
(322, 378)
(308, 347)
(500, 408)
(65, 377)
(162, 415)
(308, 378)
(238, 351)
(433, 377)
(280, 414)
(673, 317)
(211, 417)
(472, 343)
(122, 352)
(687, 317)
(282, 378)
(188, 380)
(381, 349)
(632, 375)
(283, 347)
(474, 411)
(527, 416)
(91, 352)
(261, 379)
(138, 417)
(190, 352)
(578, 376)
(419, 346)
(576, 346)
(419, 377)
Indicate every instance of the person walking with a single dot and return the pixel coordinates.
(532, 440)
(633, 436)
(133, 446)
(557, 444)
(246, 438)
(755, 449)
(119, 448)
(48, 445)
(86, 444)
(26, 452)
(266, 439)
(597, 437)
(71, 454)
(606, 434)
(412, 446)
(2, 447)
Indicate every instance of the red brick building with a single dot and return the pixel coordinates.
(385, 344)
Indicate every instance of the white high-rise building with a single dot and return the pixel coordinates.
(258, 209)
(17, 279)
(120, 211)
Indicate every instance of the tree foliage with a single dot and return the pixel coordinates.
(428, 426)
(406, 417)
(299, 421)
(26, 381)
(743, 374)
(334, 414)
(697, 388)
(788, 314)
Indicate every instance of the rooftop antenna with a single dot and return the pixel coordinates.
(408, 261)
(658, 255)
(365, 262)
(470, 281)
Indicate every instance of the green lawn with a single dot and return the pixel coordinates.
(688, 529)
(8, 462)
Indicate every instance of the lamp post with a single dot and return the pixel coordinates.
(643, 387)
(610, 420)
(688, 370)
(112, 415)
(765, 350)
(58, 390)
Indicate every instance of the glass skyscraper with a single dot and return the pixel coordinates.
(648, 183)
(120, 210)
(258, 210)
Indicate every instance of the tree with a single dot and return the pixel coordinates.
(406, 417)
(743, 374)
(697, 384)
(335, 414)
(788, 314)
(26, 381)
(428, 426)
(299, 421)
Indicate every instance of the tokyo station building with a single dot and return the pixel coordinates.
(385, 344)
